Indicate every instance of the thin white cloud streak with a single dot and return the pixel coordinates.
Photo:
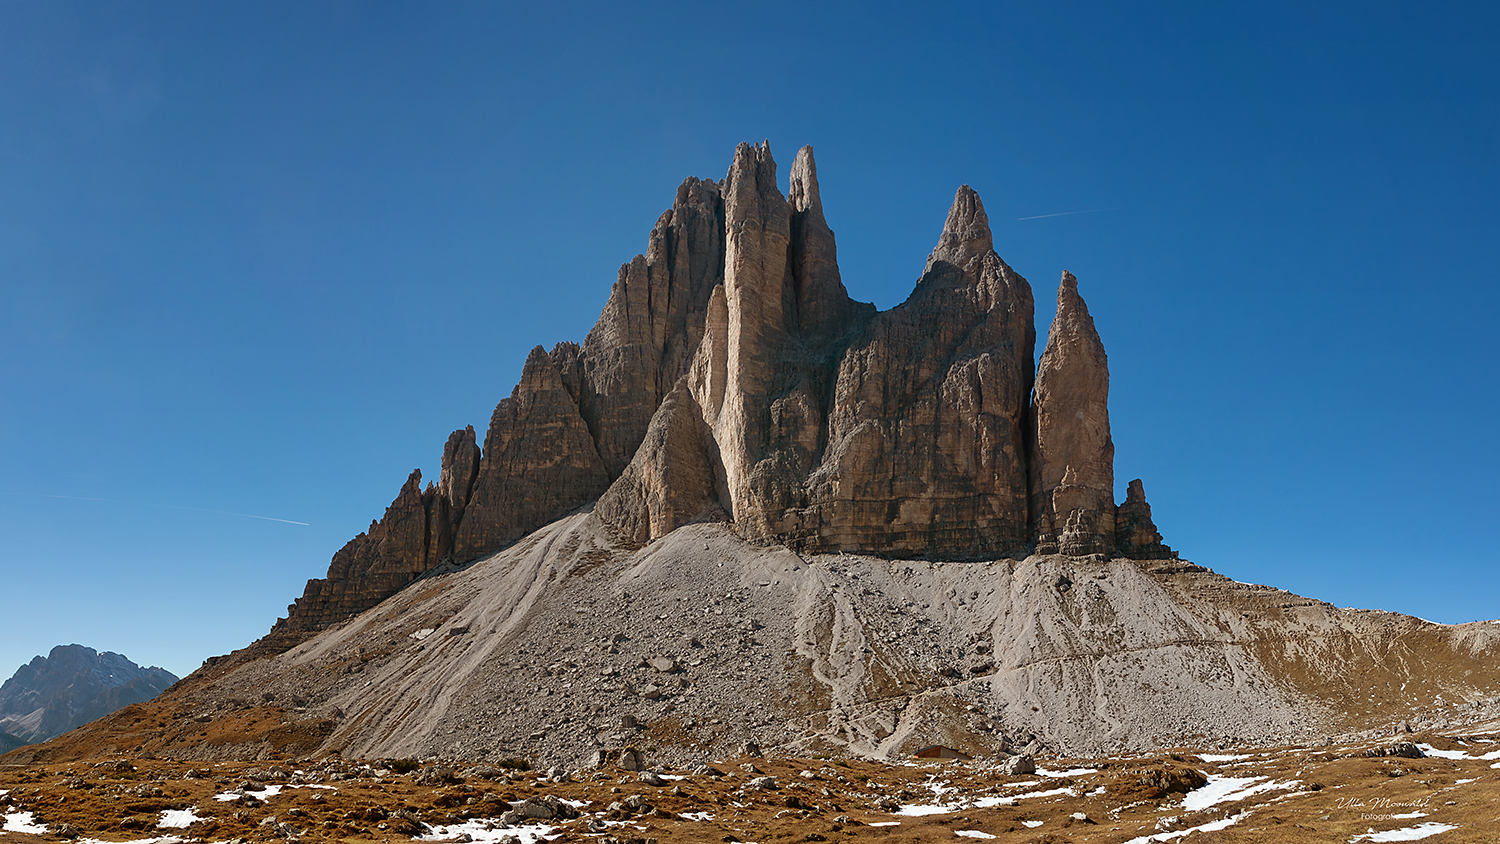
(1068, 213)
(167, 506)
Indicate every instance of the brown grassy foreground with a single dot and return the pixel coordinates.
(1290, 794)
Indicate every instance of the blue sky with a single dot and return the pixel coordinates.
(261, 258)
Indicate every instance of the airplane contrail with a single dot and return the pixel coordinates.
(1066, 213)
(168, 506)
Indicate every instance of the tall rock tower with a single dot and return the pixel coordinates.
(1073, 456)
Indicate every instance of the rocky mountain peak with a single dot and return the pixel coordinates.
(966, 232)
(71, 686)
(731, 377)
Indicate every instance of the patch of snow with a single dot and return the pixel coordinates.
(1223, 757)
(886, 823)
(1211, 826)
(269, 791)
(1227, 789)
(1496, 765)
(1031, 824)
(1457, 754)
(1217, 789)
(1026, 784)
(698, 816)
(1464, 782)
(917, 810)
(476, 829)
(1075, 772)
(23, 822)
(913, 810)
(423, 633)
(160, 839)
(177, 819)
(1411, 833)
(1442, 754)
(972, 833)
(1068, 791)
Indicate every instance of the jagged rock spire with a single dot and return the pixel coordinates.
(1073, 456)
(966, 233)
(822, 301)
(1136, 536)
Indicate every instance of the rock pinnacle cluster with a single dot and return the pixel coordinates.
(731, 378)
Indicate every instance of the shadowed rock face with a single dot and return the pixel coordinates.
(70, 687)
(731, 378)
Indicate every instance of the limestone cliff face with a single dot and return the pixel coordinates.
(539, 462)
(1073, 463)
(731, 378)
(926, 436)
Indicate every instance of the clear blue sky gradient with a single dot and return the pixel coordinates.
(260, 258)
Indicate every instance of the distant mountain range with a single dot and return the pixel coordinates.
(68, 688)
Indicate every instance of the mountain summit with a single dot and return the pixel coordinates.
(731, 378)
(70, 687)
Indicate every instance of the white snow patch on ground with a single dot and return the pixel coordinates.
(1212, 826)
(698, 816)
(1457, 754)
(1068, 791)
(1031, 824)
(160, 839)
(972, 833)
(886, 823)
(1411, 833)
(481, 835)
(270, 791)
(1223, 757)
(177, 819)
(1075, 772)
(23, 822)
(913, 810)
(1217, 789)
(916, 811)
(1228, 789)
(1464, 782)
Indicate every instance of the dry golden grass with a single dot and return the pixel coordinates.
(1309, 794)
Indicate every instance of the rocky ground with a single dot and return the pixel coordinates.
(1445, 788)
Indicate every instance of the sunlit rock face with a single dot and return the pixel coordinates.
(731, 378)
